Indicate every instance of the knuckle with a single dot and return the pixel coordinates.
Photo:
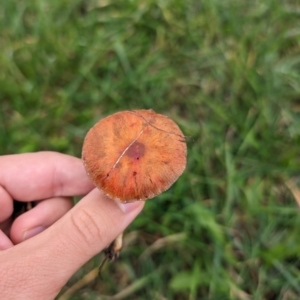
(87, 228)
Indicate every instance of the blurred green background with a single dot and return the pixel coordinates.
(228, 72)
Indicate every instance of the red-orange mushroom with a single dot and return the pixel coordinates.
(134, 155)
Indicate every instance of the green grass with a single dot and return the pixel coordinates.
(228, 72)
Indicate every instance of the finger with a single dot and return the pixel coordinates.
(36, 176)
(88, 228)
(58, 252)
(36, 220)
(5, 226)
(5, 242)
(6, 205)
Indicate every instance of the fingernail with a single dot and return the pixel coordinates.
(128, 207)
(32, 232)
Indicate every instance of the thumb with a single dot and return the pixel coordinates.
(87, 229)
(50, 258)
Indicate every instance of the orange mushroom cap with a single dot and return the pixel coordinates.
(134, 155)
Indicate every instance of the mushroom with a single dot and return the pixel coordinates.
(133, 156)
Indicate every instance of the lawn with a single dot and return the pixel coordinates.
(228, 72)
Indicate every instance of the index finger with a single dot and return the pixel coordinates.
(40, 175)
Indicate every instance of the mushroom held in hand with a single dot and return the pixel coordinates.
(134, 155)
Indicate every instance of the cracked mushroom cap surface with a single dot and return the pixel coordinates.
(134, 155)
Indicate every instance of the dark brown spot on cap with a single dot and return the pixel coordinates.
(136, 150)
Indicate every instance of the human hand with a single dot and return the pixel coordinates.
(45, 246)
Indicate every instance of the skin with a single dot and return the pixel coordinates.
(44, 247)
